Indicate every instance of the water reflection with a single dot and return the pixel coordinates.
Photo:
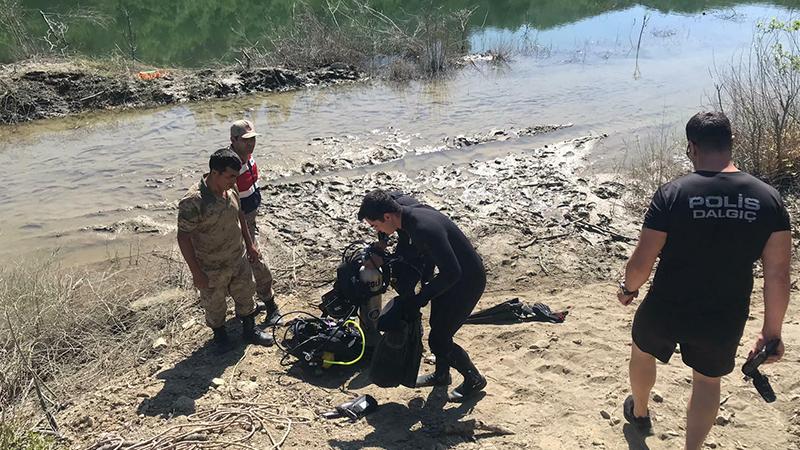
(198, 32)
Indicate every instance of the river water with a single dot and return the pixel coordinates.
(67, 182)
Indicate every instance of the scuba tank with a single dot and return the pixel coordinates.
(370, 309)
(358, 282)
(371, 277)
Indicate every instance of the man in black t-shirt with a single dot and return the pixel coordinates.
(453, 292)
(709, 228)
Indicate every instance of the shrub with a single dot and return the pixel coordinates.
(355, 34)
(760, 95)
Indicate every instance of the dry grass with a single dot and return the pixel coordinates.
(650, 162)
(22, 44)
(52, 51)
(355, 34)
(25, 45)
(61, 329)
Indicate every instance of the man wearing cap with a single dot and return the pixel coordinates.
(216, 245)
(243, 141)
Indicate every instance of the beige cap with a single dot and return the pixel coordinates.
(243, 129)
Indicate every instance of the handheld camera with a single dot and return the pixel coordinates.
(761, 381)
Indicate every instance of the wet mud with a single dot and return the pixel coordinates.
(31, 92)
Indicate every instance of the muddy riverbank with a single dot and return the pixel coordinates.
(32, 91)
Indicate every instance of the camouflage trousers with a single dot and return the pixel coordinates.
(261, 271)
(236, 281)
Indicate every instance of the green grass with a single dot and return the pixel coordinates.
(15, 439)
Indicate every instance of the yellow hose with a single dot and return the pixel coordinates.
(327, 363)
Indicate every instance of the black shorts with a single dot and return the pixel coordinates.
(708, 341)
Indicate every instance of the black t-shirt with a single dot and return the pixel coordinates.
(717, 224)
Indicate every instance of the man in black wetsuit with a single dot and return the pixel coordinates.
(405, 275)
(453, 292)
(708, 227)
(415, 268)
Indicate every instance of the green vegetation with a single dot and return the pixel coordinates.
(14, 439)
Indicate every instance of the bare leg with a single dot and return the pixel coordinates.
(702, 410)
(642, 372)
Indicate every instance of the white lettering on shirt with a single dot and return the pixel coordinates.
(725, 207)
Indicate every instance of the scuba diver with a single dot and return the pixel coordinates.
(405, 276)
(453, 292)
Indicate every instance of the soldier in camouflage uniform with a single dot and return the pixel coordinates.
(243, 142)
(216, 244)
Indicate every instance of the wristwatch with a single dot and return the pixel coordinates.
(626, 291)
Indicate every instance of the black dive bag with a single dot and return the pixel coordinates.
(396, 358)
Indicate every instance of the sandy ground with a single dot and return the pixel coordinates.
(548, 233)
(554, 386)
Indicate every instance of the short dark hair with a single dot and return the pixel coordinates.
(710, 131)
(377, 203)
(223, 159)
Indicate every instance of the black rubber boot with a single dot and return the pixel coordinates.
(273, 313)
(222, 344)
(254, 335)
(473, 383)
(439, 377)
(433, 379)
